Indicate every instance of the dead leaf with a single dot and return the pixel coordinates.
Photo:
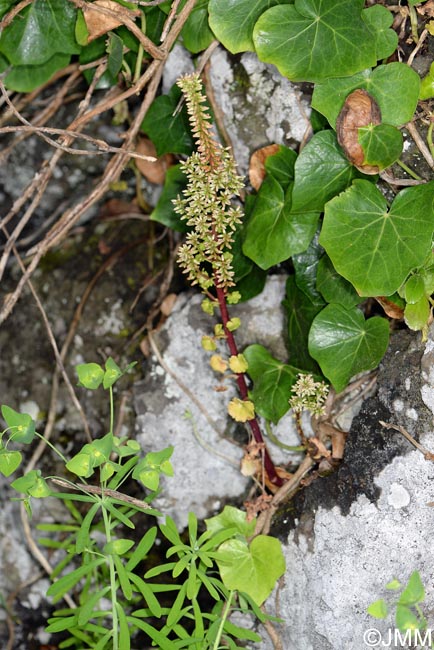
(154, 172)
(168, 304)
(391, 309)
(426, 9)
(257, 164)
(99, 23)
(144, 347)
(360, 109)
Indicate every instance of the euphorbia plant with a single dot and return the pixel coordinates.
(206, 256)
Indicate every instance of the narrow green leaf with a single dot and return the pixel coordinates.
(162, 642)
(86, 609)
(124, 631)
(147, 593)
(123, 577)
(59, 588)
(142, 549)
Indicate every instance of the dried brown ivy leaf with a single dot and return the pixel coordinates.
(154, 172)
(360, 109)
(99, 23)
(392, 309)
(257, 164)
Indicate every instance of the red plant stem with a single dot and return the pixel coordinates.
(242, 387)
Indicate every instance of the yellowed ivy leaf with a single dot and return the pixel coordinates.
(241, 410)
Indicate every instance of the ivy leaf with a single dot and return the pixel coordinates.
(344, 344)
(385, 84)
(273, 233)
(196, 34)
(380, 19)
(253, 569)
(163, 212)
(281, 166)
(427, 85)
(25, 78)
(416, 315)
(333, 287)
(232, 21)
(373, 248)
(313, 40)
(41, 30)
(321, 172)
(381, 143)
(305, 267)
(300, 313)
(273, 381)
(169, 130)
(115, 54)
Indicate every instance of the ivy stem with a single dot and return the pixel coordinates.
(242, 387)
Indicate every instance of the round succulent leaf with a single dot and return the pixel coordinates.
(9, 461)
(321, 171)
(252, 569)
(375, 249)
(312, 40)
(381, 143)
(417, 314)
(274, 233)
(232, 21)
(344, 344)
(385, 84)
(21, 425)
(380, 19)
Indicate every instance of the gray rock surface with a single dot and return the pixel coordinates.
(370, 522)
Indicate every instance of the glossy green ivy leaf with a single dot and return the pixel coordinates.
(385, 84)
(232, 21)
(300, 312)
(251, 284)
(333, 287)
(252, 569)
(168, 127)
(380, 20)
(344, 344)
(305, 266)
(375, 249)
(32, 484)
(42, 29)
(25, 78)
(9, 461)
(272, 380)
(231, 517)
(273, 233)
(281, 166)
(427, 85)
(196, 34)
(163, 212)
(321, 171)
(115, 53)
(414, 591)
(414, 289)
(381, 143)
(313, 40)
(416, 314)
(90, 375)
(21, 425)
